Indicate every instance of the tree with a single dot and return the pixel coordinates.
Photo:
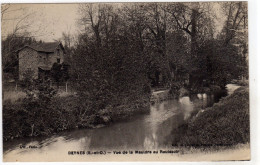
(91, 14)
(235, 33)
(148, 23)
(236, 13)
(178, 52)
(195, 20)
(109, 61)
(156, 24)
(59, 73)
(16, 18)
(10, 45)
(68, 39)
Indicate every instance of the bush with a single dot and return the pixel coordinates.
(226, 123)
(241, 82)
(36, 114)
(43, 113)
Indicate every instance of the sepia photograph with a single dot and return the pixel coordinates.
(139, 81)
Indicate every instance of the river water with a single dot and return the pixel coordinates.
(144, 132)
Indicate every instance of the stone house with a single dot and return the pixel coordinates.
(39, 58)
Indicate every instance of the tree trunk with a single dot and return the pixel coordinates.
(157, 77)
(194, 45)
(66, 87)
(194, 20)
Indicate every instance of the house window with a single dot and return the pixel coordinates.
(58, 60)
(58, 52)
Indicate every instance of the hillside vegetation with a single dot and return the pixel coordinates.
(226, 123)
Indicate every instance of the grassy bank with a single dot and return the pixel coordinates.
(224, 124)
(27, 117)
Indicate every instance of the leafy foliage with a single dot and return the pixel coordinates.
(226, 123)
(59, 72)
(9, 56)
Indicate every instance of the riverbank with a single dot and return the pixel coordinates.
(224, 124)
(30, 118)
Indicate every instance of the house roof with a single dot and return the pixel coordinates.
(48, 47)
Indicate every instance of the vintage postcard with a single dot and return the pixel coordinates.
(125, 81)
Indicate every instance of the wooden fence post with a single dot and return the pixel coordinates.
(15, 86)
(66, 87)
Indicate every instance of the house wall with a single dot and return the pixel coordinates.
(59, 54)
(43, 59)
(52, 57)
(28, 61)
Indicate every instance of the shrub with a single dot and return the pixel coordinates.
(43, 113)
(226, 123)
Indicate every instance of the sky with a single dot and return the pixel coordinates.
(48, 21)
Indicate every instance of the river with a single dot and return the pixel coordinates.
(144, 132)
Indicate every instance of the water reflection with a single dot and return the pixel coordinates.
(186, 106)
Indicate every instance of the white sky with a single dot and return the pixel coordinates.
(48, 21)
